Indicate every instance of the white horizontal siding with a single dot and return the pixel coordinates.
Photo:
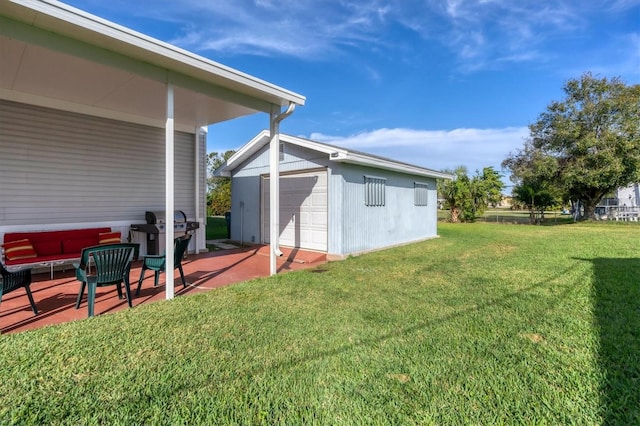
(60, 167)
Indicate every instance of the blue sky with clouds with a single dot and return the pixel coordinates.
(437, 83)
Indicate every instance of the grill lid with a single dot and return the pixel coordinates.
(156, 217)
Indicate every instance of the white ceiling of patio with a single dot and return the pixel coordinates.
(55, 55)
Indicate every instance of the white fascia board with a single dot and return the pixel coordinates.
(380, 163)
(221, 172)
(343, 155)
(60, 18)
(247, 150)
(315, 146)
(262, 139)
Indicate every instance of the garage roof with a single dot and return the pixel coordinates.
(333, 152)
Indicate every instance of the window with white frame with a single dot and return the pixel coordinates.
(374, 191)
(420, 194)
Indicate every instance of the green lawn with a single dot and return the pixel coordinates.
(216, 228)
(508, 216)
(489, 324)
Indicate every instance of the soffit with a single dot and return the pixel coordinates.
(79, 62)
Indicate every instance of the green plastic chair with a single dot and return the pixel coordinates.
(14, 280)
(100, 266)
(157, 263)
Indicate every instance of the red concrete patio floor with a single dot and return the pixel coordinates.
(55, 299)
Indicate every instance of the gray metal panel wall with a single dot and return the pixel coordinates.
(336, 205)
(61, 167)
(398, 221)
(245, 209)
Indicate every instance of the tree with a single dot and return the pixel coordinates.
(218, 188)
(467, 198)
(589, 143)
(533, 174)
(490, 187)
(536, 196)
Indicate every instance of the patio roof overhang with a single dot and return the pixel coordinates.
(57, 56)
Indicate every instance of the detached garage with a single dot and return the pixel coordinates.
(332, 199)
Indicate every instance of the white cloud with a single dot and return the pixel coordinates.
(480, 34)
(436, 149)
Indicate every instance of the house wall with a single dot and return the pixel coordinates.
(629, 196)
(63, 170)
(353, 227)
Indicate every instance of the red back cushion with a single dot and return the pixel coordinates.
(109, 237)
(21, 249)
(48, 248)
(76, 246)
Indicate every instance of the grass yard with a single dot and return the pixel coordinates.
(508, 216)
(490, 324)
(216, 228)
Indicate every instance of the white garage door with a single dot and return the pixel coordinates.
(303, 210)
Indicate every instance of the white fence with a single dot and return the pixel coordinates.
(625, 213)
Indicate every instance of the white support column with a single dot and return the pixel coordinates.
(169, 193)
(274, 189)
(197, 184)
(275, 118)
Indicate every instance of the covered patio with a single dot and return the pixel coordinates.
(101, 123)
(55, 298)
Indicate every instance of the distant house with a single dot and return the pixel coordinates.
(626, 197)
(332, 199)
(624, 204)
(629, 196)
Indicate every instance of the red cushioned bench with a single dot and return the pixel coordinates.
(50, 248)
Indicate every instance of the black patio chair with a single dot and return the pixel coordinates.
(157, 263)
(13, 280)
(108, 264)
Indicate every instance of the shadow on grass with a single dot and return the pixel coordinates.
(617, 315)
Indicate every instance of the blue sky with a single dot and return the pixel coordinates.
(436, 83)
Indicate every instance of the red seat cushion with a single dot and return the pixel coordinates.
(21, 249)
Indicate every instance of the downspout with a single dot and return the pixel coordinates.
(274, 182)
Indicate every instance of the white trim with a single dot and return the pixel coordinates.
(41, 101)
(169, 195)
(196, 181)
(70, 22)
(274, 188)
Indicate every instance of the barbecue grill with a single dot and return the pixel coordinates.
(155, 228)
